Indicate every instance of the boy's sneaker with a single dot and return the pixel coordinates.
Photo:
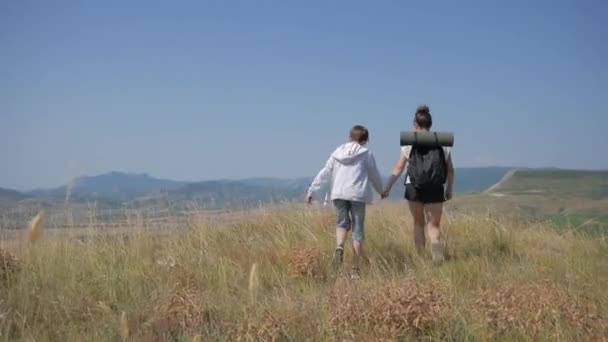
(355, 274)
(437, 253)
(338, 257)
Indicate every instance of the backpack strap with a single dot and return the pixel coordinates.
(445, 157)
(409, 157)
(411, 152)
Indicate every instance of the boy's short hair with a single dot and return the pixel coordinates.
(359, 134)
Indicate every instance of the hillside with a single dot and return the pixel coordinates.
(558, 183)
(267, 276)
(565, 198)
(11, 195)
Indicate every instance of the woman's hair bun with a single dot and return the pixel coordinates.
(423, 109)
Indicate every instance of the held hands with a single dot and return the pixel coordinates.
(387, 190)
(385, 193)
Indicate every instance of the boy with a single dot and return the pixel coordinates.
(351, 168)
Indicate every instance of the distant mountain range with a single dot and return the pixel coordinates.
(114, 185)
(116, 188)
(11, 195)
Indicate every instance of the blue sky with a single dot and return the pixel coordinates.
(195, 90)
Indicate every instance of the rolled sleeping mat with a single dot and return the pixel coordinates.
(427, 139)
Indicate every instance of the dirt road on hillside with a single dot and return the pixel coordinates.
(504, 179)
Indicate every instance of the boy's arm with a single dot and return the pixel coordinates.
(374, 174)
(321, 177)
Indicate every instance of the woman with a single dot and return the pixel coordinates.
(425, 199)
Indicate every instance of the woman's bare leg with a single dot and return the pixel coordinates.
(433, 213)
(417, 211)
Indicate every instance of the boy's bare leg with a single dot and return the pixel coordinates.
(343, 223)
(358, 235)
(358, 247)
(341, 234)
(417, 211)
(434, 212)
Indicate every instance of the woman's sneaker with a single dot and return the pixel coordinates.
(437, 253)
(338, 257)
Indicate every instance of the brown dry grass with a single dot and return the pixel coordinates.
(538, 308)
(267, 329)
(409, 307)
(305, 262)
(9, 267)
(183, 309)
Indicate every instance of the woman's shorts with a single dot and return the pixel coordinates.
(430, 195)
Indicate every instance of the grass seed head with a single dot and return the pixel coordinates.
(253, 282)
(124, 325)
(36, 226)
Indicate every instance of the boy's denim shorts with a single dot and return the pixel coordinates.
(351, 215)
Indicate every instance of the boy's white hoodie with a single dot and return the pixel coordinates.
(353, 172)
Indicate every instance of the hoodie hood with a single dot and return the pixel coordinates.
(352, 172)
(349, 153)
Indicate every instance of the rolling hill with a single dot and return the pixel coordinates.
(115, 188)
(552, 182)
(112, 186)
(568, 198)
(119, 186)
(11, 195)
(571, 199)
(468, 180)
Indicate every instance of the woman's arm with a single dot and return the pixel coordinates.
(397, 171)
(450, 181)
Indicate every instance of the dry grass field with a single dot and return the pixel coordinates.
(267, 276)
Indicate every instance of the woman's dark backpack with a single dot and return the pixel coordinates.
(427, 167)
